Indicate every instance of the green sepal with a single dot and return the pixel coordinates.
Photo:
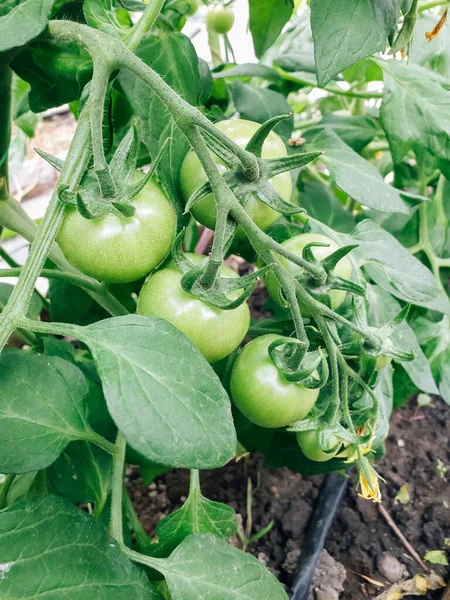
(106, 183)
(66, 195)
(296, 364)
(256, 143)
(339, 283)
(329, 263)
(53, 161)
(268, 195)
(308, 254)
(201, 192)
(387, 329)
(215, 144)
(275, 166)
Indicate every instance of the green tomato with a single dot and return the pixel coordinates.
(120, 249)
(220, 19)
(193, 176)
(260, 391)
(192, 7)
(382, 362)
(309, 445)
(296, 245)
(215, 332)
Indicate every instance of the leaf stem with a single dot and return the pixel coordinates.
(5, 130)
(116, 524)
(6, 486)
(433, 4)
(145, 23)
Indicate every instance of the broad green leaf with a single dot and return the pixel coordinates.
(162, 393)
(42, 409)
(434, 55)
(267, 19)
(173, 56)
(435, 338)
(51, 549)
(384, 391)
(82, 474)
(197, 515)
(21, 113)
(356, 131)
(382, 308)
(36, 305)
(353, 174)
(28, 485)
(206, 567)
(393, 268)
(415, 112)
(21, 21)
(261, 104)
(321, 204)
(101, 14)
(344, 35)
(57, 71)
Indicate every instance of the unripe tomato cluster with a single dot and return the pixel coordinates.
(120, 249)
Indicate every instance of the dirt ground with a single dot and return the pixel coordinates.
(360, 538)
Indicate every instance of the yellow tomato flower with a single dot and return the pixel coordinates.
(370, 490)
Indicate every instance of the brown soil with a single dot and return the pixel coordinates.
(359, 537)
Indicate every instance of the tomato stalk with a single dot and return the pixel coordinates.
(5, 130)
(116, 524)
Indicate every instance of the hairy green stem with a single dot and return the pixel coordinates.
(333, 89)
(72, 171)
(433, 4)
(116, 524)
(145, 23)
(82, 281)
(5, 129)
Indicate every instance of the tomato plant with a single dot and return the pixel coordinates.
(337, 201)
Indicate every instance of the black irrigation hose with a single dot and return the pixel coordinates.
(329, 499)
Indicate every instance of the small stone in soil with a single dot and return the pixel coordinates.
(391, 568)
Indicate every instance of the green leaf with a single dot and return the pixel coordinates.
(57, 71)
(345, 35)
(267, 19)
(415, 112)
(101, 14)
(21, 21)
(353, 174)
(384, 392)
(197, 515)
(51, 549)
(173, 56)
(36, 305)
(162, 393)
(28, 485)
(321, 204)
(382, 308)
(204, 566)
(436, 557)
(42, 409)
(435, 338)
(82, 474)
(260, 105)
(393, 268)
(356, 131)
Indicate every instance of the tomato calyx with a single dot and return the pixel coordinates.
(296, 364)
(376, 343)
(254, 181)
(217, 294)
(89, 197)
